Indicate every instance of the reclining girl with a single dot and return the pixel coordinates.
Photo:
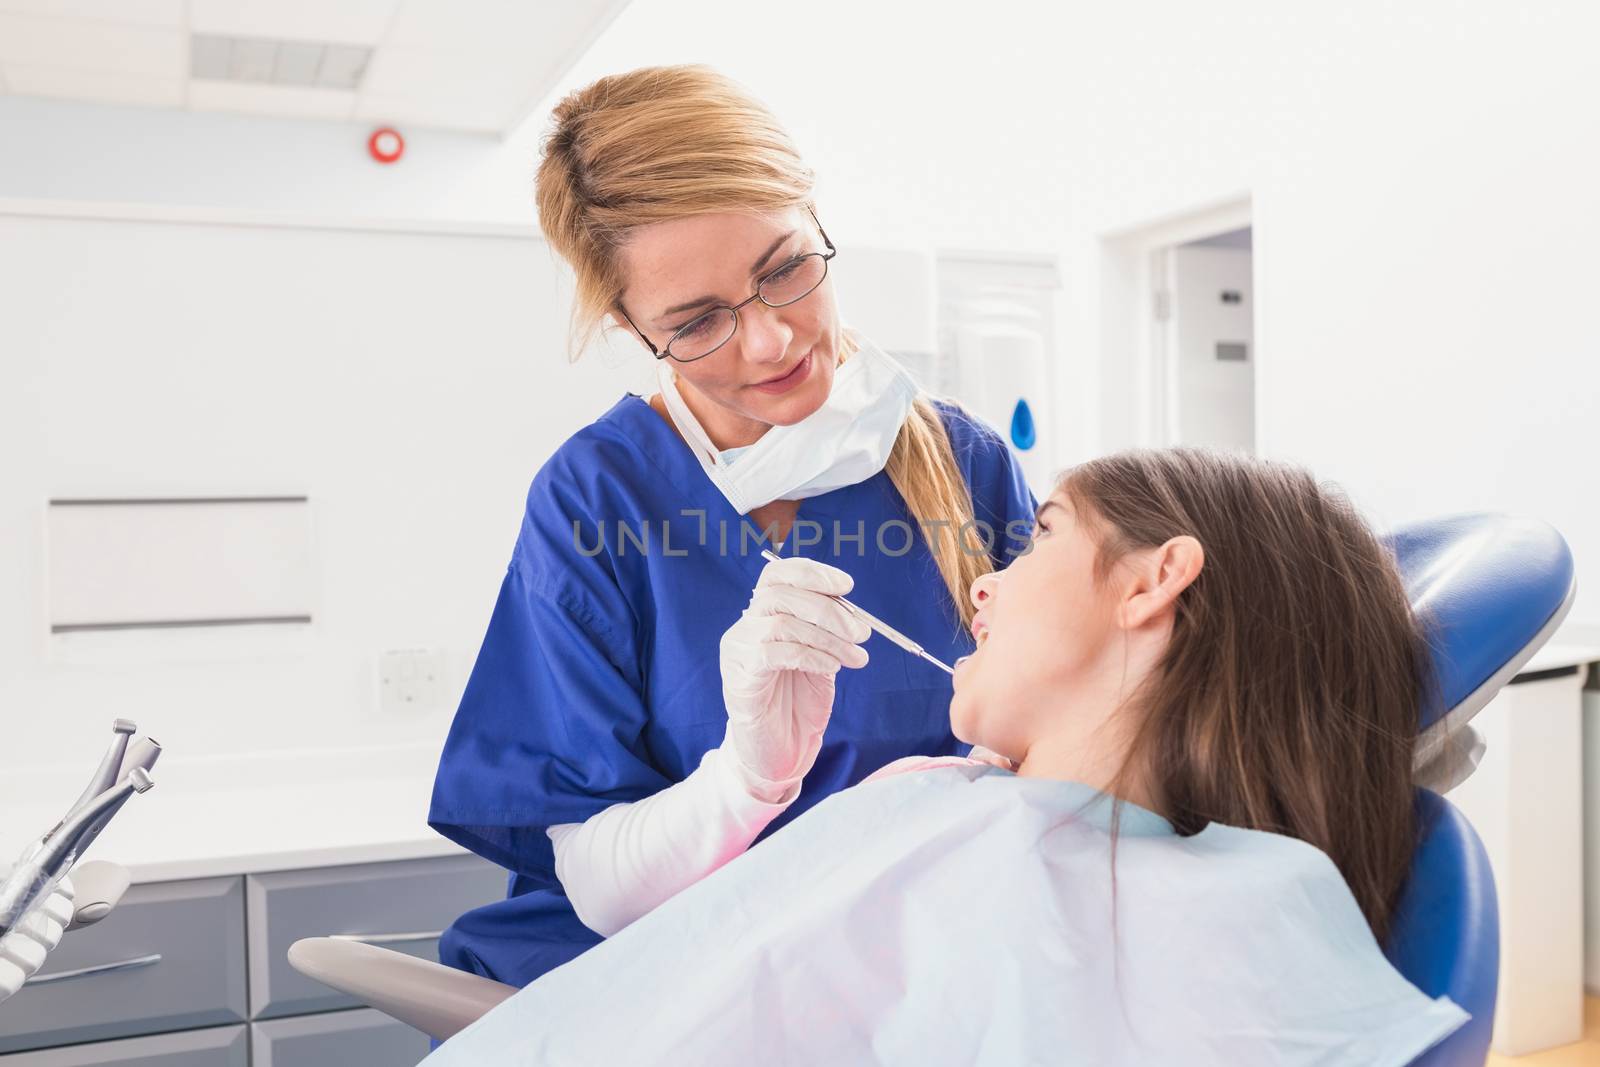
(1200, 689)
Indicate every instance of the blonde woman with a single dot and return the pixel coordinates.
(598, 754)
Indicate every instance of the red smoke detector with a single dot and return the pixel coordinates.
(386, 144)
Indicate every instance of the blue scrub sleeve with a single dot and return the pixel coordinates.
(550, 728)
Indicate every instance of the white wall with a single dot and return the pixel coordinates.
(62, 150)
(408, 380)
(396, 379)
(1423, 180)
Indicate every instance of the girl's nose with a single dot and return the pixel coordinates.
(984, 589)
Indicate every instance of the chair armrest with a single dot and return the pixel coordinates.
(435, 999)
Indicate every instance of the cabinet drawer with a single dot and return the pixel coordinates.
(170, 957)
(401, 906)
(223, 1046)
(364, 1038)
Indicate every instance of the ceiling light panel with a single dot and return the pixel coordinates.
(352, 21)
(252, 60)
(297, 63)
(343, 66)
(265, 61)
(208, 57)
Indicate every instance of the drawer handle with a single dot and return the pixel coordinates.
(102, 968)
(390, 939)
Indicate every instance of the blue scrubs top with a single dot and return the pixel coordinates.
(599, 678)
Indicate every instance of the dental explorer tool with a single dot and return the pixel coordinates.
(876, 623)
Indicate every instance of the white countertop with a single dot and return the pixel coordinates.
(240, 815)
(1563, 653)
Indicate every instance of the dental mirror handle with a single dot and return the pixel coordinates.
(878, 625)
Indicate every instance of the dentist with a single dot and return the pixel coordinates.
(598, 753)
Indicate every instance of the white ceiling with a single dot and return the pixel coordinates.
(476, 65)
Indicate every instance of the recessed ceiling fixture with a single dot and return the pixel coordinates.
(264, 61)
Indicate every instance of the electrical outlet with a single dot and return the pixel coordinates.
(410, 680)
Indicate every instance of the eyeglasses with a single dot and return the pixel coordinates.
(789, 283)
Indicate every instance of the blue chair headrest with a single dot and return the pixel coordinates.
(1491, 589)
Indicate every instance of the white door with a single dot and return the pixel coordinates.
(1210, 372)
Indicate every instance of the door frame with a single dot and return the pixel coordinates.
(1136, 371)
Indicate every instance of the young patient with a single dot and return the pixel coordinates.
(1207, 678)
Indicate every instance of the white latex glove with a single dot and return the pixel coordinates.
(23, 949)
(778, 666)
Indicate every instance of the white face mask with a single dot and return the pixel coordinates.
(844, 442)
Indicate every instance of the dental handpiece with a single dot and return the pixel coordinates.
(45, 862)
(876, 623)
(36, 876)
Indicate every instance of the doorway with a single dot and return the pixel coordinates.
(1204, 340)
(1179, 361)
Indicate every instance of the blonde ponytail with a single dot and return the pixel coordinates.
(923, 468)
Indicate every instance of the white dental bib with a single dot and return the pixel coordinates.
(964, 915)
(844, 442)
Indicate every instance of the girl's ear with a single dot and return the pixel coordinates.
(1159, 575)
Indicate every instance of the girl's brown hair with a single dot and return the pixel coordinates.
(1288, 699)
(664, 143)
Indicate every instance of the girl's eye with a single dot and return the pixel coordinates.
(1040, 529)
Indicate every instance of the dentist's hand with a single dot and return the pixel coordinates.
(778, 663)
(23, 949)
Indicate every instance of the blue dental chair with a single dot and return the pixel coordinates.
(1492, 589)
